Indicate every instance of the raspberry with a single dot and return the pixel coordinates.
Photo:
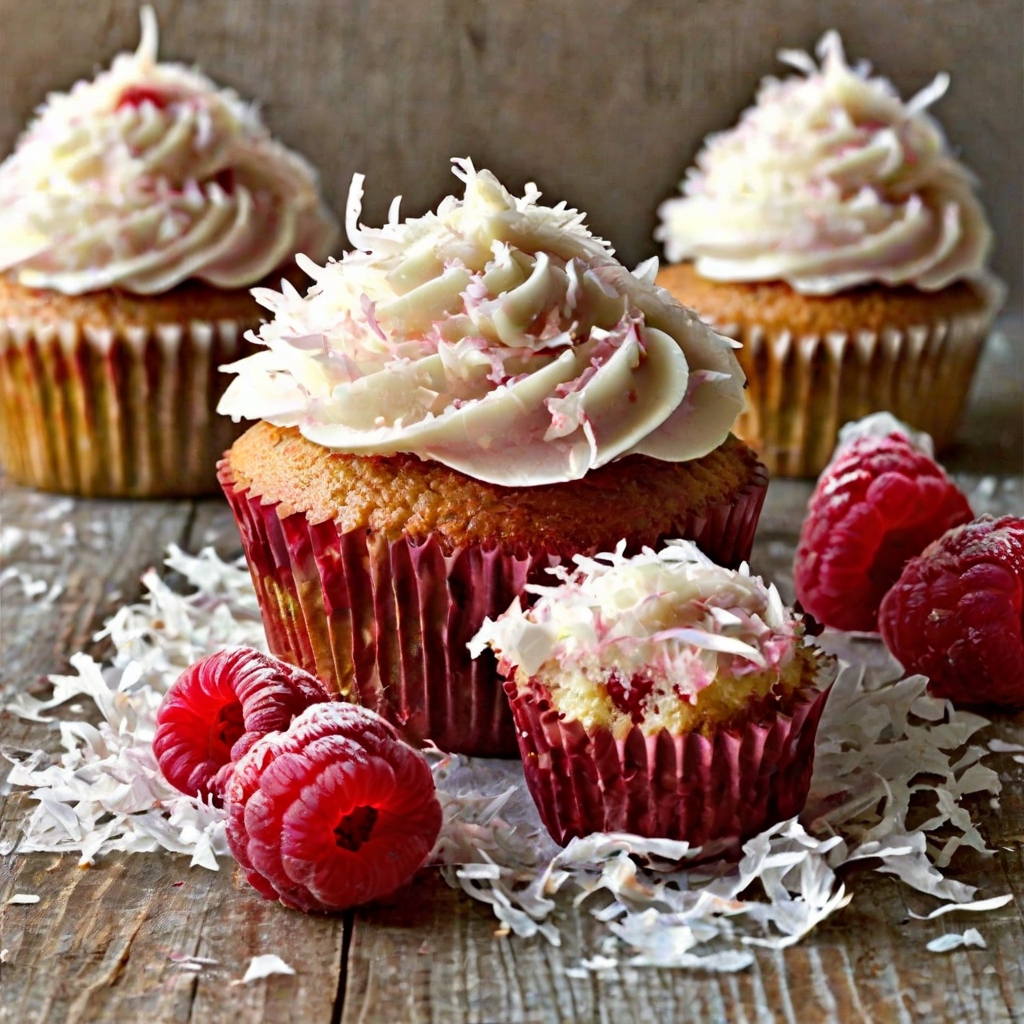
(333, 813)
(880, 501)
(219, 707)
(955, 614)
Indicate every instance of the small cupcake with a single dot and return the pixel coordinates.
(465, 399)
(135, 213)
(661, 695)
(834, 234)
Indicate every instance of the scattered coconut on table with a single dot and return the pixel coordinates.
(884, 744)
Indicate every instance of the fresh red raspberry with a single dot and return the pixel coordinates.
(334, 813)
(955, 614)
(219, 707)
(881, 501)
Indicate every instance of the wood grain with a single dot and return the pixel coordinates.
(603, 104)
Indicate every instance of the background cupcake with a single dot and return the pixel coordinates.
(834, 234)
(661, 695)
(467, 397)
(135, 213)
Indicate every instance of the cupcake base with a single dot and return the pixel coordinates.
(814, 363)
(382, 615)
(713, 792)
(114, 395)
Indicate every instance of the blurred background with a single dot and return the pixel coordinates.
(603, 104)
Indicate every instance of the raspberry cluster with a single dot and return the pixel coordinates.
(890, 544)
(327, 807)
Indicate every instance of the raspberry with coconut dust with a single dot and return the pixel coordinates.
(334, 813)
(219, 707)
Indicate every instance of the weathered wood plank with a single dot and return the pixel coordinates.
(603, 105)
(438, 957)
(97, 945)
(87, 557)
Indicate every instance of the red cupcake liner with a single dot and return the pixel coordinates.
(713, 792)
(387, 623)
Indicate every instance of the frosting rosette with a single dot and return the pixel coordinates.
(149, 175)
(619, 635)
(497, 336)
(829, 182)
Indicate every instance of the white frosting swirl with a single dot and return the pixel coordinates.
(498, 337)
(671, 616)
(829, 182)
(150, 175)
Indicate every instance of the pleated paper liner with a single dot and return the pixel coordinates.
(713, 792)
(116, 413)
(387, 623)
(802, 389)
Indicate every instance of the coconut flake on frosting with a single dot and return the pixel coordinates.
(668, 622)
(829, 182)
(148, 175)
(496, 336)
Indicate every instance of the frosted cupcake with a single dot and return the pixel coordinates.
(833, 233)
(135, 213)
(661, 695)
(464, 399)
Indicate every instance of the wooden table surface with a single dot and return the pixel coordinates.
(97, 945)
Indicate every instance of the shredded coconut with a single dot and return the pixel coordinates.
(954, 940)
(891, 769)
(263, 966)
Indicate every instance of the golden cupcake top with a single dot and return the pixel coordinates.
(828, 182)
(647, 639)
(149, 175)
(497, 336)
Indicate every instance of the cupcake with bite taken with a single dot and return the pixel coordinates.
(834, 234)
(465, 399)
(135, 213)
(663, 695)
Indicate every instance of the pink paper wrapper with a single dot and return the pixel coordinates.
(711, 792)
(387, 623)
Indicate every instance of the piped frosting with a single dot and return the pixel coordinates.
(497, 336)
(828, 182)
(149, 175)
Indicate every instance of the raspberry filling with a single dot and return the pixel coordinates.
(219, 707)
(629, 699)
(136, 95)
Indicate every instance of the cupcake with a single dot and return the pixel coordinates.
(662, 695)
(834, 234)
(462, 401)
(135, 213)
